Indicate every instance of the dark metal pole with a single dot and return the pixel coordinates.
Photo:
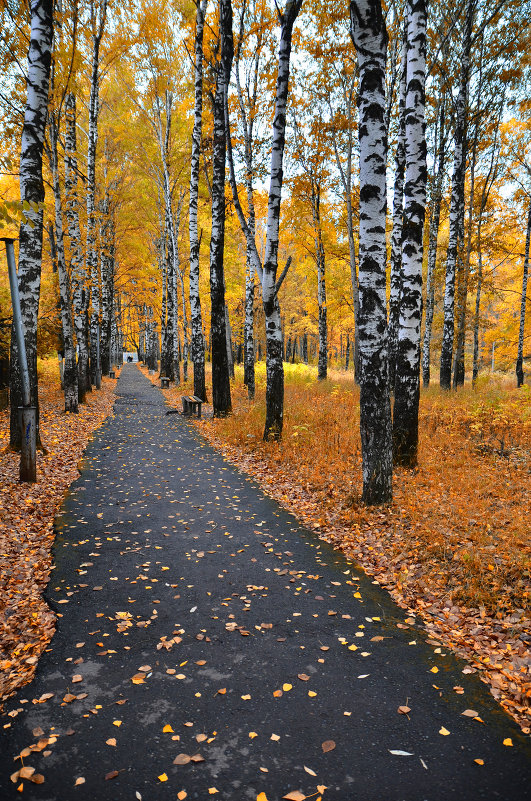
(28, 457)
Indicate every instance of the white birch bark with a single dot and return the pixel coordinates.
(369, 37)
(70, 385)
(457, 203)
(32, 196)
(407, 379)
(435, 217)
(322, 360)
(77, 268)
(198, 345)
(523, 302)
(98, 14)
(398, 214)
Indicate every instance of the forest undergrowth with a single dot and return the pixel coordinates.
(27, 513)
(455, 544)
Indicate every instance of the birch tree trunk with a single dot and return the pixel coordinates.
(248, 355)
(70, 368)
(221, 398)
(267, 273)
(398, 214)
(78, 273)
(98, 26)
(407, 379)
(198, 345)
(107, 282)
(435, 218)
(32, 193)
(270, 287)
(523, 301)
(457, 204)
(369, 36)
(321, 279)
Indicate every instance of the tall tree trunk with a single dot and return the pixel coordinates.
(435, 218)
(369, 36)
(78, 272)
(248, 357)
(267, 272)
(198, 344)
(70, 368)
(398, 215)
(107, 282)
(321, 279)
(520, 356)
(228, 336)
(221, 398)
(457, 203)
(32, 192)
(407, 378)
(98, 25)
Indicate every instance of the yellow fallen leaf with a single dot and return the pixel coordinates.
(246, 697)
(357, 595)
(295, 795)
(275, 737)
(444, 731)
(321, 788)
(479, 762)
(434, 669)
(222, 691)
(353, 647)
(261, 797)
(507, 741)
(182, 795)
(252, 735)
(287, 687)
(310, 771)
(212, 790)
(79, 780)
(111, 741)
(277, 693)
(163, 777)
(117, 723)
(311, 693)
(167, 727)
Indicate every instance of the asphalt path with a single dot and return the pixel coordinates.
(208, 646)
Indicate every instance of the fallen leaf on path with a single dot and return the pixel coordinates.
(507, 741)
(163, 777)
(470, 713)
(400, 753)
(111, 775)
(295, 795)
(167, 728)
(303, 676)
(444, 731)
(327, 746)
(261, 797)
(76, 678)
(111, 741)
(310, 771)
(182, 759)
(79, 780)
(404, 710)
(479, 762)
(182, 795)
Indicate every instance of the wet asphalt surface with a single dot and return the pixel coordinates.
(199, 620)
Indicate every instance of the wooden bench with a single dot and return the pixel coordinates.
(191, 404)
(164, 382)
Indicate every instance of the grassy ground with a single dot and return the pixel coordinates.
(454, 545)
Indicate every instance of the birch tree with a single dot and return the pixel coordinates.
(267, 271)
(77, 267)
(523, 302)
(457, 202)
(32, 197)
(221, 399)
(198, 345)
(407, 379)
(398, 214)
(369, 37)
(98, 16)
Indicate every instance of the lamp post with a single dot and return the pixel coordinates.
(28, 460)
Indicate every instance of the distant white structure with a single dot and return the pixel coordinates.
(130, 356)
